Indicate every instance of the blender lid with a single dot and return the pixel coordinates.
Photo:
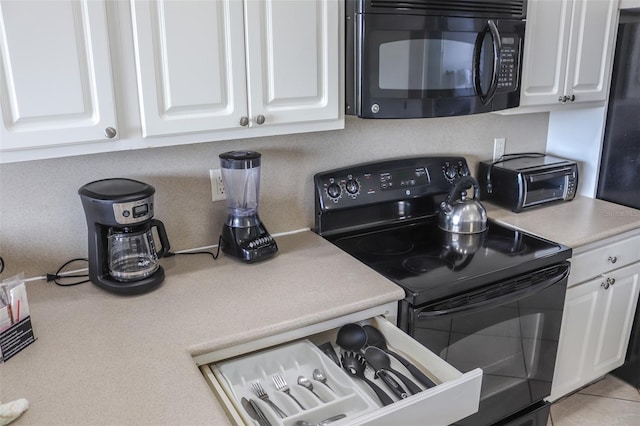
(117, 189)
(240, 159)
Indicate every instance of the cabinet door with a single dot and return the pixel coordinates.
(293, 61)
(545, 51)
(591, 49)
(596, 326)
(617, 306)
(190, 65)
(56, 85)
(578, 326)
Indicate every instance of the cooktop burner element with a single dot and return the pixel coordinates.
(422, 264)
(384, 245)
(405, 244)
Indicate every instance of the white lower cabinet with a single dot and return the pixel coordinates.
(597, 318)
(231, 371)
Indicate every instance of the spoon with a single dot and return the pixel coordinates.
(306, 383)
(354, 364)
(377, 339)
(320, 377)
(351, 337)
(379, 360)
(323, 422)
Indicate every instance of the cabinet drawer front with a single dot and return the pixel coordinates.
(455, 396)
(601, 260)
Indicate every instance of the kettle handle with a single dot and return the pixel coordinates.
(164, 239)
(462, 183)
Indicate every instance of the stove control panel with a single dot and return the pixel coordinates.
(383, 181)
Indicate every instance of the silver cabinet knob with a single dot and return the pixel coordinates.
(110, 132)
(612, 259)
(608, 283)
(562, 99)
(572, 98)
(244, 121)
(260, 119)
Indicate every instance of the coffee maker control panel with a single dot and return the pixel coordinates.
(133, 212)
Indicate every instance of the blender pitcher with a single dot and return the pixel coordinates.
(243, 234)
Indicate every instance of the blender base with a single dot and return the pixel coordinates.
(251, 244)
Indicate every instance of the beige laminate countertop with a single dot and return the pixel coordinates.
(100, 358)
(577, 223)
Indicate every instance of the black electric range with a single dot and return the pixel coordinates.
(491, 300)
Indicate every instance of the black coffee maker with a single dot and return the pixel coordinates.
(243, 234)
(122, 253)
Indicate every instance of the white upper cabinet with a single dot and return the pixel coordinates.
(568, 51)
(56, 84)
(190, 65)
(226, 64)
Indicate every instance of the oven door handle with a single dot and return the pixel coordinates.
(432, 312)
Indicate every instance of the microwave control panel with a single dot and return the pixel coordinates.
(508, 72)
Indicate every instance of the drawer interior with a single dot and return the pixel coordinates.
(233, 379)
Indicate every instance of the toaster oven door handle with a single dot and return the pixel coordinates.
(432, 313)
(491, 28)
(552, 174)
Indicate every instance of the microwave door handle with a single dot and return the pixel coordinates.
(497, 46)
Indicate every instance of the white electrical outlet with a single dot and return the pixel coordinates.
(217, 185)
(498, 148)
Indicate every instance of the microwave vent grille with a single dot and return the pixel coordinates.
(515, 9)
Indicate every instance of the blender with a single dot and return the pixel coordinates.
(122, 250)
(243, 234)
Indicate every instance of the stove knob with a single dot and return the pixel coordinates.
(451, 172)
(463, 170)
(352, 187)
(333, 190)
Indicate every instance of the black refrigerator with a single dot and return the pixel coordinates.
(620, 163)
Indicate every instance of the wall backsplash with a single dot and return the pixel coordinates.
(42, 223)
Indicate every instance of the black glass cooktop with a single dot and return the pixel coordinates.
(431, 264)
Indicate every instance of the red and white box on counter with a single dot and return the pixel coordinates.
(16, 331)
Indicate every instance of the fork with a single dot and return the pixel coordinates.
(281, 385)
(257, 388)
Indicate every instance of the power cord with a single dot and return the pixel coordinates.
(59, 275)
(215, 256)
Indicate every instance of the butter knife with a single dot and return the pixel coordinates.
(254, 411)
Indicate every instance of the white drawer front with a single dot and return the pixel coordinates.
(455, 396)
(604, 259)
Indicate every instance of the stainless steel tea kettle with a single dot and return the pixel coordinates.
(464, 215)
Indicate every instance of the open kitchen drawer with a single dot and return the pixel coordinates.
(231, 371)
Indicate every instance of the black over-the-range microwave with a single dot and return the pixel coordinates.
(433, 58)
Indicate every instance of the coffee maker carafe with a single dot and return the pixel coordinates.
(122, 251)
(243, 234)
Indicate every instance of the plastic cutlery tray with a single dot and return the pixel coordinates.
(292, 360)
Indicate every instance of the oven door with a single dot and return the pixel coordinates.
(509, 329)
(426, 66)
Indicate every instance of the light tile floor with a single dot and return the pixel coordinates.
(609, 401)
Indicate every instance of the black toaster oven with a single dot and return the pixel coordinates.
(523, 181)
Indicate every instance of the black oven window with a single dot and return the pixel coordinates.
(441, 63)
